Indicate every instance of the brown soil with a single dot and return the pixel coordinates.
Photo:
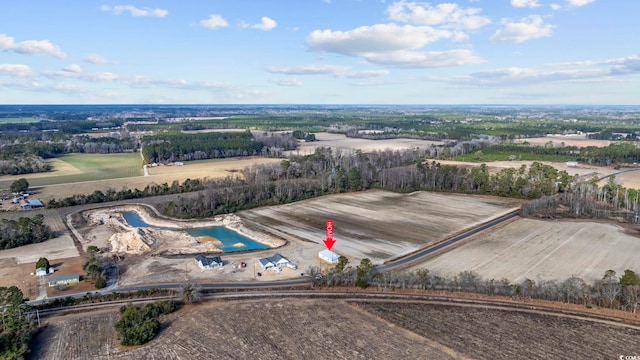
(343, 329)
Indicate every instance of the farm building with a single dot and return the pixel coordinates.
(41, 271)
(329, 256)
(275, 262)
(209, 262)
(31, 204)
(64, 280)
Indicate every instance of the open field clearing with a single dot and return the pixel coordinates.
(283, 329)
(492, 334)
(543, 250)
(340, 141)
(73, 168)
(211, 168)
(557, 141)
(379, 225)
(213, 130)
(56, 248)
(340, 329)
(200, 169)
(18, 120)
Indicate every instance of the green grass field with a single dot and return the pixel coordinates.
(92, 167)
(18, 120)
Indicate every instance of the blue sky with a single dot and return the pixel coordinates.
(320, 52)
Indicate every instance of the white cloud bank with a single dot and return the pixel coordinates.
(16, 70)
(97, 59)
(214, 21)
(447, 15)
(31, 47)
(531, 27)
(265, 24)
(134, 11)
(339, 71)
(525, 3)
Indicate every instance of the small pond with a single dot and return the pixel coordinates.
(228, 237)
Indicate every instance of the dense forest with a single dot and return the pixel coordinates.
(25, 230)
(175, 146)
(15, 330)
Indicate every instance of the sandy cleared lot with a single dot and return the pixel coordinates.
(340, 141)
(378, 225)
(546, 250)
(571, 140)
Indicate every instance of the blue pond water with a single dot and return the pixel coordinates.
(228, 237)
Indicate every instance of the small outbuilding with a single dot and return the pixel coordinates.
(31, 204)
(41, 271)
(64, 280)
(206, 262)
(329, 256)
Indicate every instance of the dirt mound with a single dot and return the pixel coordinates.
(136, 241)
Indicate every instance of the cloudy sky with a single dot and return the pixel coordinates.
(320, 52)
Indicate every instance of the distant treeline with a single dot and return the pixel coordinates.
(25, 230)
(169, 147)
(483, 151)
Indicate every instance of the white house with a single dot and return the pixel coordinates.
(329, 256)
(41, 271)
(275, 262)
(209, 262)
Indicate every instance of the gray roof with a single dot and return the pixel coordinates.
(208, 261)
(272, 259)
(35, 202)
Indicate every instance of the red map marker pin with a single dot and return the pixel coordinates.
(329, 242)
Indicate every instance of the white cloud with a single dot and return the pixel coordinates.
(289, 82)
(578, 3)
(556, 6)
(134, 11)
(531, 27)
(364, 74)
(338, 71)
(266, 24)
(573, 71)
(74, 71)
(426, 59)
(393, 45)
(214, 21)
(525, 3)
(30, 47)
(379, 38)
(97, 59)
(447, 15)
(73, 68)
(16, 70)
(314, 69)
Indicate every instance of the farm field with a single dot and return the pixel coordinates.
(340, 141)
(107, 175)
(73, 168)
(379, 225)
(339, 329)
(543, 250)
(18, 120)
(557, 141)
(493, 334)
